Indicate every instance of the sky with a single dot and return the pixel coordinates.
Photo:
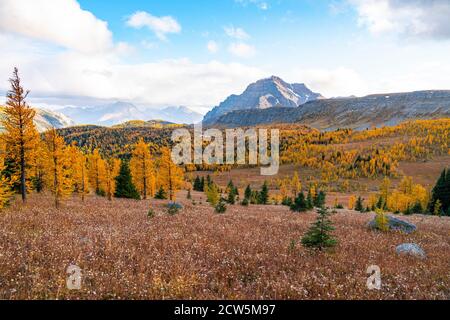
(196, 53)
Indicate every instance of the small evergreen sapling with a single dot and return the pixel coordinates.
(300, 204)
(319, 235)
(161, 194)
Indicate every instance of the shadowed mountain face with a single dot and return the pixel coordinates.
(264, 94)
(357, 113)
(119, 112)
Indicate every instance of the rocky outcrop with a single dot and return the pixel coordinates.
(395, 224)
(411, 249)
(357, 113)
(264, 94)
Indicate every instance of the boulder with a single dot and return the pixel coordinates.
(411, 249)
(396, 225)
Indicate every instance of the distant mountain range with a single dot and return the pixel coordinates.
(45, 119)
(266, 101)
(264, 94)
(120, 112)
(357, 113)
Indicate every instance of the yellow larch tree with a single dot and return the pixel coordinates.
(6, 192)
(79, 171)
(20, 133)
(97, 172)
(170, 176)
(58, 177)
(112, 167)
(38, 166)
(296, 185)
(142, 169)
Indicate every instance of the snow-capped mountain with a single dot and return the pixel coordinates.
(120, 112)
(46, 119)
(263, 94)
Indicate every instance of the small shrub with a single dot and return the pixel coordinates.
(287, 201)
(221, 207)
(381, 220)
(173, 208)
(245, 202)
(161, 194)
(151, 213)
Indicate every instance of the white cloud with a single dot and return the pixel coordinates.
(159, 25)
(261, 4)
(340, 81)
(236, 33)
(71, 76)
(242, 50)
(61, 22)
(212, 46)
(411, 18)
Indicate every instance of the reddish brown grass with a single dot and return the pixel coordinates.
(201, 255)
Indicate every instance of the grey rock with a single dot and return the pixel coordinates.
(411, 249)
(356, 113)
(396, 225)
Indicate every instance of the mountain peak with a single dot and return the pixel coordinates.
(263, 94)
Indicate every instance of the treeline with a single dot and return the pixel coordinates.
(408, 198)
(33, 162)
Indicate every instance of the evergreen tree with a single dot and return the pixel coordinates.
(202, 184)
(124, 184)
(319, 235)
(198, 184)
(161, 194)
(319, 200)
(309, 200)
(441, 193)
(300, 204)
(359, 206)
(232, 192)
(248, 193)
(263, 197)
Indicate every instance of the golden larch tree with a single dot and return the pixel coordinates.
(112, 168)
(79, 171)
(142, 169)
(20, 134)
(170, 176)
(97, 172)
(6, 192)
(58, 177)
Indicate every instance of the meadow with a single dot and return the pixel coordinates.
(247, 253)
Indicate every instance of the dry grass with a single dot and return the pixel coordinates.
(200, 255)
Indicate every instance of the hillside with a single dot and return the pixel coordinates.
(264, 94)
(357, 113)
(117, 141)
(147, 124)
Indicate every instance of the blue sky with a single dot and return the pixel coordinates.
(196, 53)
